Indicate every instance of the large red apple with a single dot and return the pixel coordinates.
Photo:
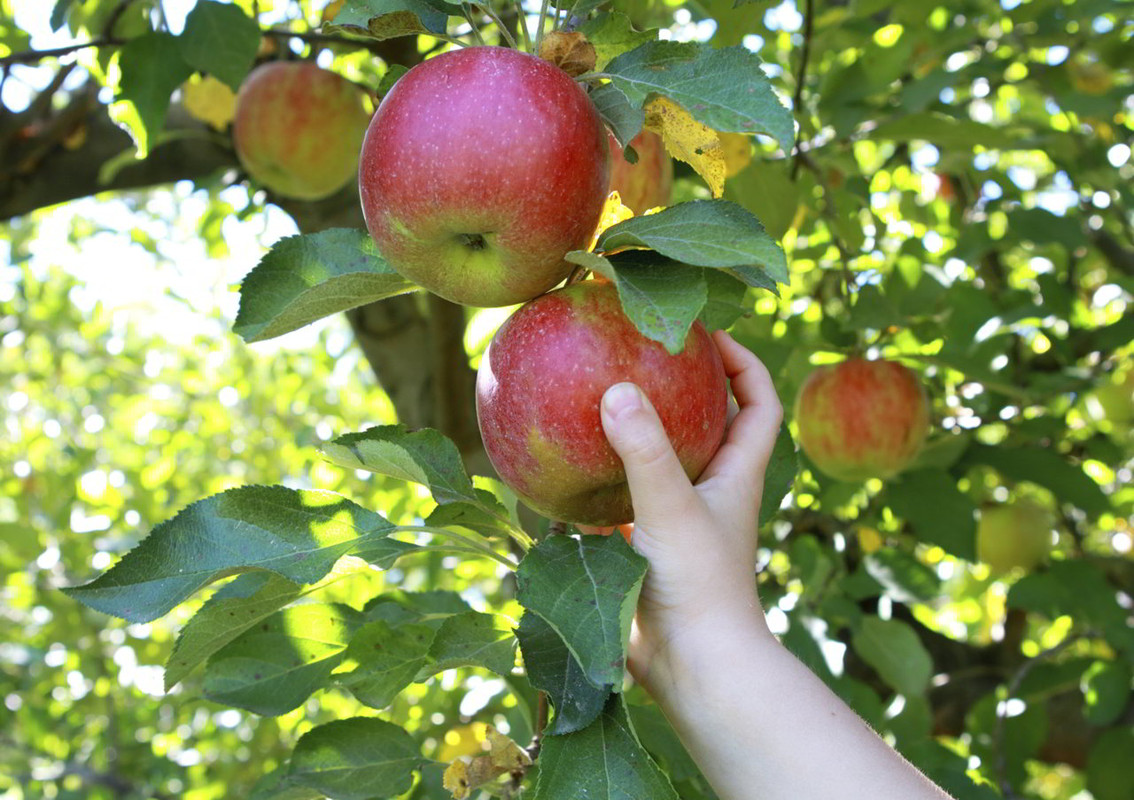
(538, 392)
(647, 183)
(298, 128)
(1013, 535)
(862, 419)
(481, 169)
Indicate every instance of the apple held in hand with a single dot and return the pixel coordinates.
(538, 392)
(862, 419)
(647, 183)
(481, 169)
(298, 128)
(1014, 535)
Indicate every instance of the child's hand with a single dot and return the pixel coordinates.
(700, 539)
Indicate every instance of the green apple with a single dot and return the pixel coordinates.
(1016, 534)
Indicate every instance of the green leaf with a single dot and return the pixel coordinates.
(277, 786)
(1045, 467)
(905, 578)
(1080, 590)
(624, 120)
(59, 14)
(551, 668)
(586, 588)
(604, 761)
(274, 667)
(425, 456)
(472, 639)
(221, 40)
(724, 303)
(386, 19)
(305, 278)
(296, 534)
(724, 88)
(385, 657)
(360, 758)
(1109, 776)
(612, 34)
(704, 233)
(151, 68)
(662, 297)
(661, 741)
(767, 190)
(475, 518)
(1106, 691)
(233, 609)
(936, 509)
(895, 652)
(779, 477)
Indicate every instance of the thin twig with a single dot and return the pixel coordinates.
(31, 56)
(1001, 711)
(845, 255)
(507, 34)
(540, 25)
(797, 101)
(466, 10)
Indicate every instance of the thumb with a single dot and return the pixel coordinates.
(659, 488)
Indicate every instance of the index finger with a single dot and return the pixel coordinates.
(742, 458)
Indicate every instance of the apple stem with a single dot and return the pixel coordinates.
(507, 34)
(466, 9)
(540, 26)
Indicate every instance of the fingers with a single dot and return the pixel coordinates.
(741, 460)
(659, 487)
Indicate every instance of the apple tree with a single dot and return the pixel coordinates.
(346, 601)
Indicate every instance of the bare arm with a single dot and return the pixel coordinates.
(754, 718)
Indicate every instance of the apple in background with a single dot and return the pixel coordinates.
(539, 387)
(862, 419)
(298, 128)
(1016, 534)
(649, 182)
(1115, 397)
(481, 169)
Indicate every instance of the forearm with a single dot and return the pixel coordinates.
(760, 724)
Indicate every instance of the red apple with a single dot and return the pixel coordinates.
(1014, 535)
(481, 169)
(647, 183)
(862, 419)
(298, 128)
(538, 392)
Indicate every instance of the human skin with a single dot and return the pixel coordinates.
(298, 129)
(481, 169)
(538, 391)
(754, 718)
(862, 419)
(646, 184)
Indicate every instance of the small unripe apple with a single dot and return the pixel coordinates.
(298, 128)
(647, 183)
(1016, 534)
(862, 419)
(482, 168)
(538, 392)
(1115, 397)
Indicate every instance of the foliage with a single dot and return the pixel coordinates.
(956, 196)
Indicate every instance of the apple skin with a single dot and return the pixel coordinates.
(298, 128)
(862, 419)
(648, 183)
(1014, 535)
(539, 387)
(1115, 397)
(481, 169)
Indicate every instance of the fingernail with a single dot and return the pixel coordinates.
(621, 399)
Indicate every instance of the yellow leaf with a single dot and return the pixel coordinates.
(456, 780)
(613, 212)
(209, 100)
(869, 540)
(332, 10)
(688, 140)
(504, 753)
(737, 148)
